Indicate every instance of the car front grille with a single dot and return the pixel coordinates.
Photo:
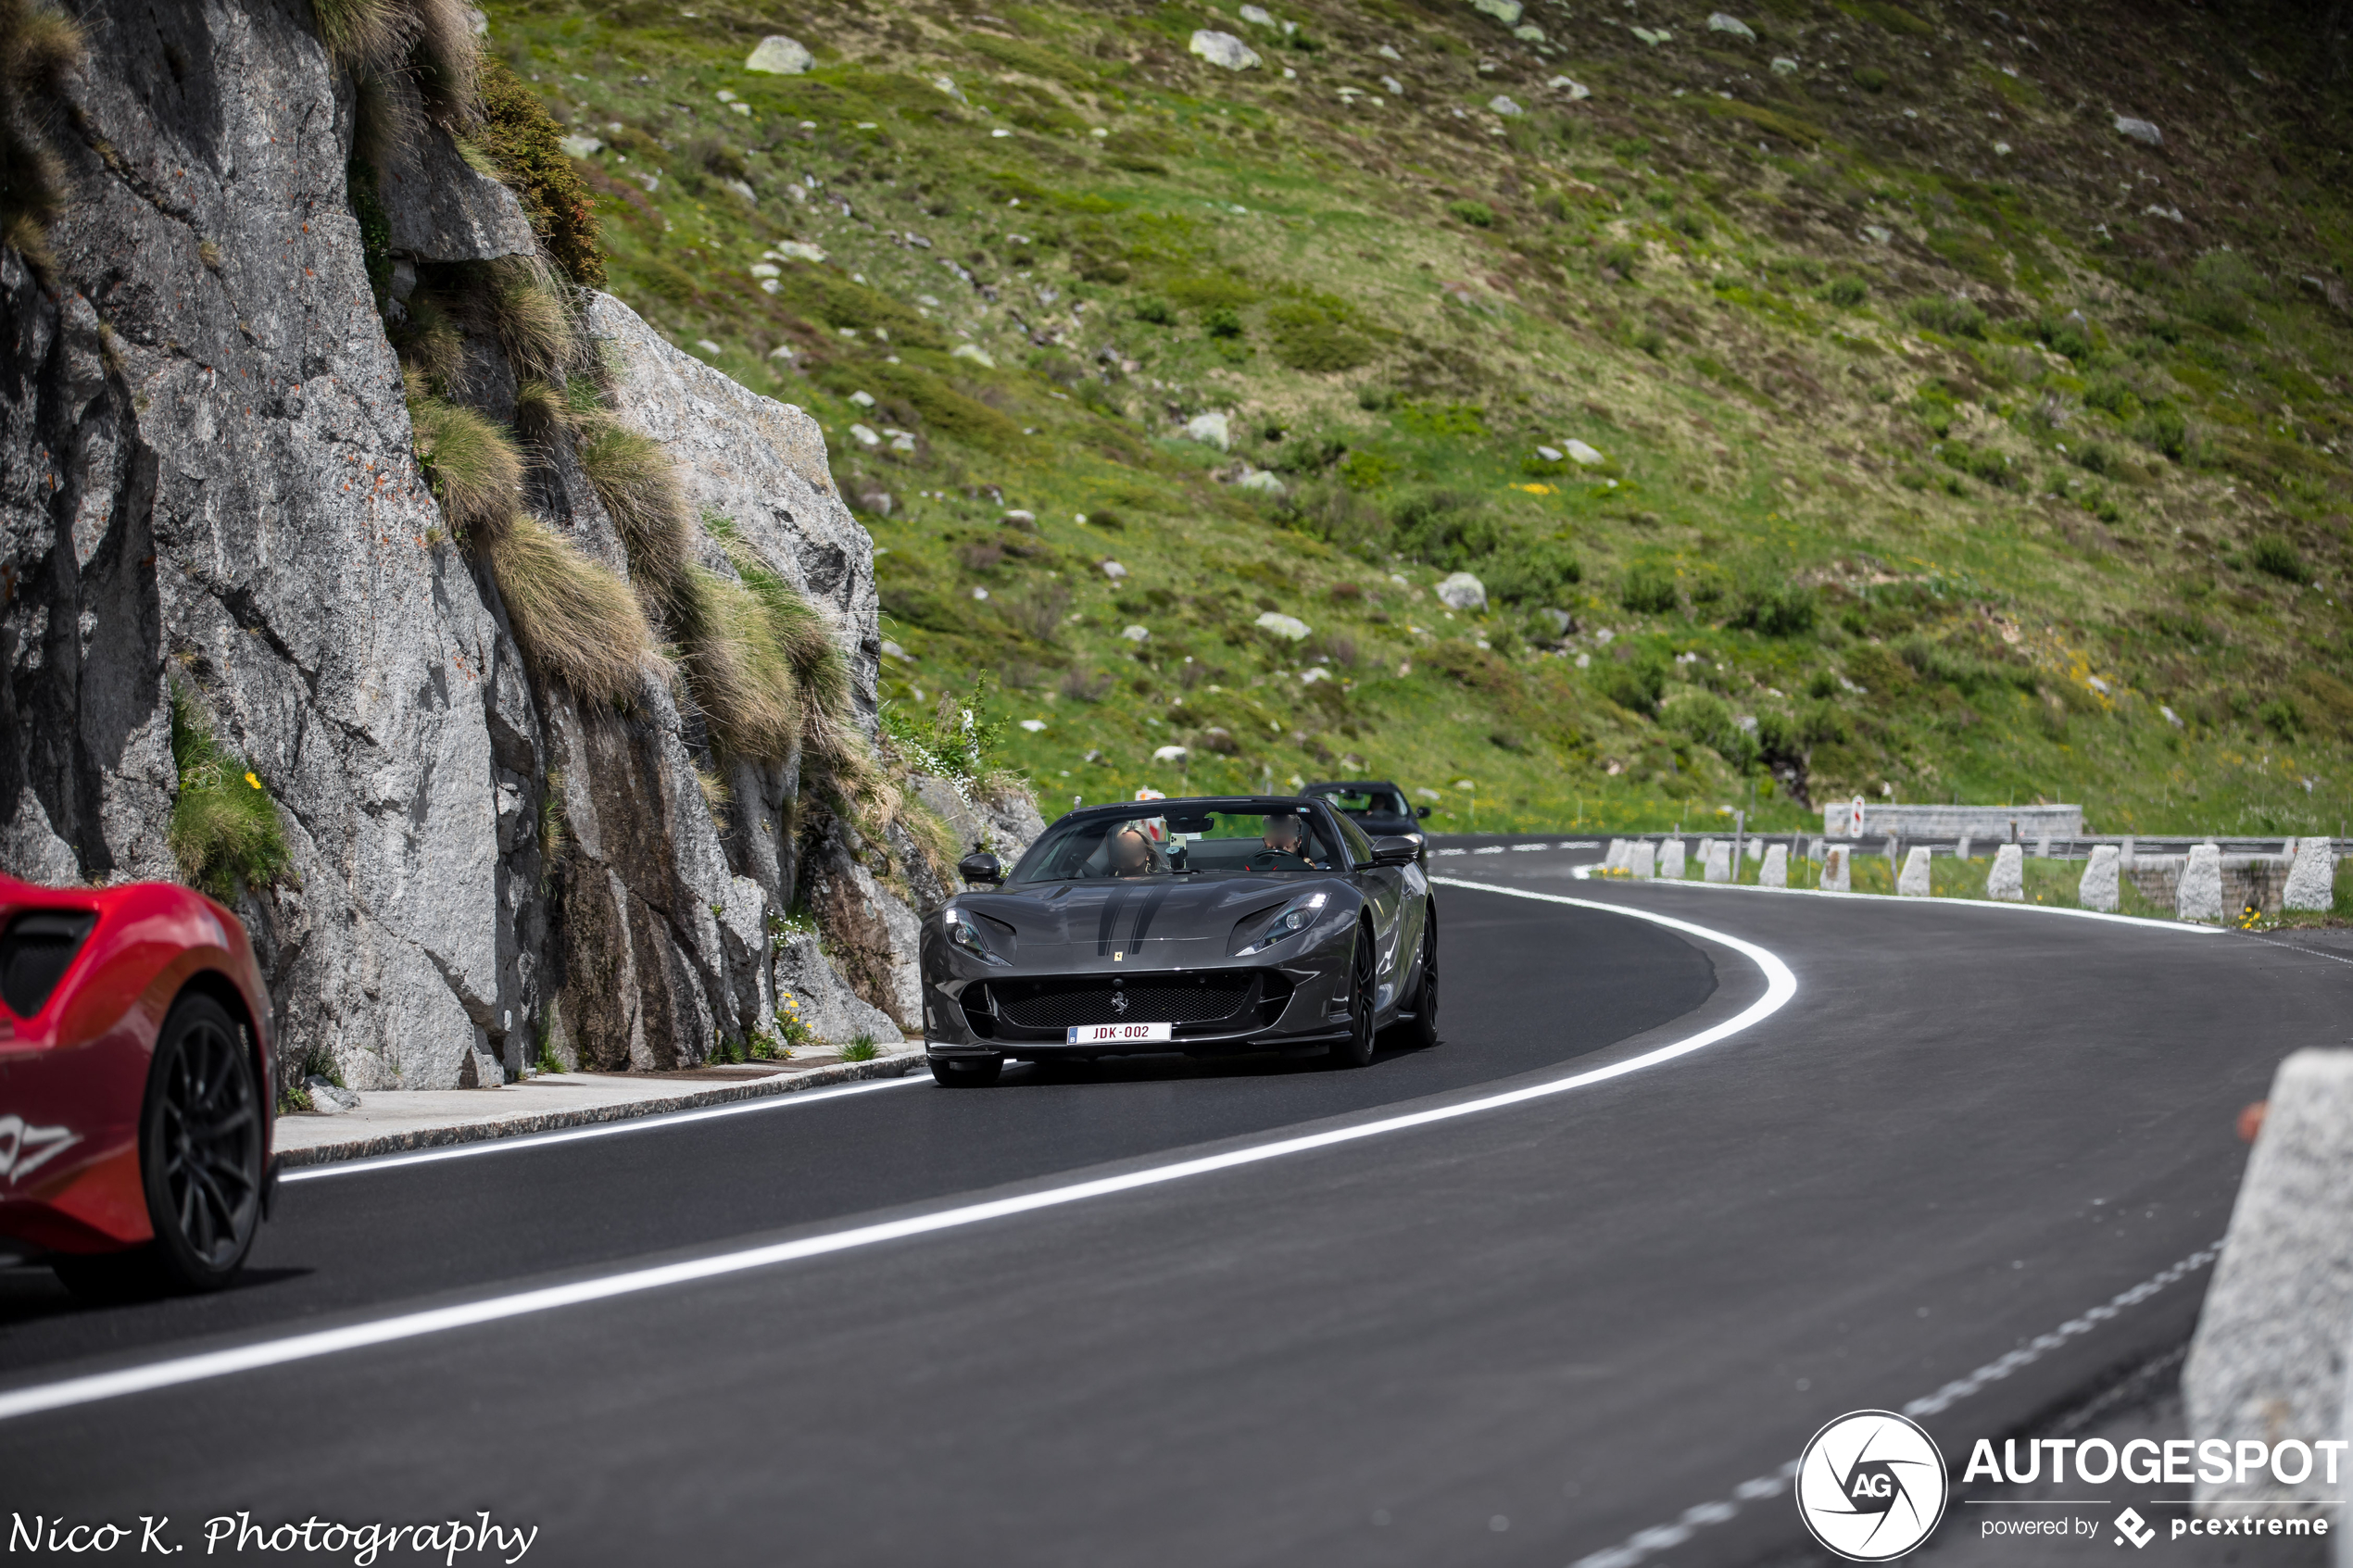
(1058, 1004)
(1225, 1002)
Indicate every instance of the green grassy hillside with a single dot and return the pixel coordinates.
(1946, 438)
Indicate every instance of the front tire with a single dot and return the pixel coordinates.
(966, 1071)
(201, 1147)
(1423, 1030)
(1357, 1049)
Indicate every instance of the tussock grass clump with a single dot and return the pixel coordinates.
(634, 478)
(580, 624)
(445, 61)
(760, 659)
(39, 48)
(740, 672)
(224, 827)
(364, 36)
(535, 323)
(820, 673)
(430, 345)
(429, 42)
(470, 463)
(541, 410)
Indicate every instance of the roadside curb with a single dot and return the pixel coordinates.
(894, 1065)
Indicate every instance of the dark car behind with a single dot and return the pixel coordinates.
(1375, 804)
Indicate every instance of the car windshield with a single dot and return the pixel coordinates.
(1370, 800)
(1176, 840)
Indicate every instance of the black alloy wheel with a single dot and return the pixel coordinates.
(1424, 1028)
(1357, 1049)
(200, 1163)
(966, 1071)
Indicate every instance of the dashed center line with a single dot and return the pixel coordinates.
(1665, 1537)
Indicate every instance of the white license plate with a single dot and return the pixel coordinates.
(1120, 1034)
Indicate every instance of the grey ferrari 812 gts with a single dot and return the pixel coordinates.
(1208, 925)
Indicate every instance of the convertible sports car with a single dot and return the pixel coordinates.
(134, 1051)
(1196, 926)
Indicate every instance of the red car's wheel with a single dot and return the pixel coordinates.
(200, 1139)
(200, 1145)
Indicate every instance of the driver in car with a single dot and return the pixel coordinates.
(1284, 846)
(1131, 853)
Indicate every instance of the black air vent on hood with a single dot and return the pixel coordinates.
(34, 952)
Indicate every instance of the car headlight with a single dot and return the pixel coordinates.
(1289, 920)
(964, 933)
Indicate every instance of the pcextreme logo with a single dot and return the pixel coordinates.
(1871, 1486)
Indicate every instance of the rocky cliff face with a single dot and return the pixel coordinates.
(208, 481)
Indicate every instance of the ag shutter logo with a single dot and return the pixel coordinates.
(1871, 1486)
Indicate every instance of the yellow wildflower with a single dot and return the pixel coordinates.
(251, 780)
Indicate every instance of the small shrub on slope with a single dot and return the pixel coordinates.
(224, 827)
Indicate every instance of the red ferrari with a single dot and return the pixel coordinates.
(134, 1057)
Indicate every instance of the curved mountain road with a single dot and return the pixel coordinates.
(1566, 1329)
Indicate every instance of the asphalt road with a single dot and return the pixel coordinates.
(1525, 1336)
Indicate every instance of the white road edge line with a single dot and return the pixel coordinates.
(1664, 1537)
(655, 1122)
(1584, 873)
(1780, 986)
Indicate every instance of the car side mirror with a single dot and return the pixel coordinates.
(1395, 851)
(1421, 810)
(980, 866)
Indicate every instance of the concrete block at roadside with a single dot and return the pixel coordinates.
(1719, 860)
(1639, 859)
(1913, 882)
(1836, 876)
(2311, 879)
(1670, 860)
(1774, 871)
(2268, 1359)
(2199, 895)
(2097, 890)
(2007, 879)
